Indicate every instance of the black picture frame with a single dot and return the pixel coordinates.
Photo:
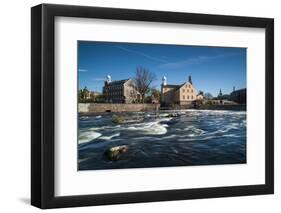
(43, 102)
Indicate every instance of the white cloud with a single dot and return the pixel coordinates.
(83, 70)
(98, 79)
(194, 60)
(142, 54)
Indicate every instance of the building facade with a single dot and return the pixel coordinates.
(239, 96)
(183, 94)
(121, 91)
(199, 97)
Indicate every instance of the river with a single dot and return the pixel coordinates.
(173, 138)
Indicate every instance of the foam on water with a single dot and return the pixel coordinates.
(169, 137)
(232, 136)
(163, 119)
(163, 114)
(103, 128)
(194, 137)
(110, 137)
(198, 139)
(86, 137)
(132, 121)
(152, 128)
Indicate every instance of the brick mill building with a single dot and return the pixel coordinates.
(121, 91)
(239, 96)
(183, 94)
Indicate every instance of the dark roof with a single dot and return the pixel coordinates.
(177, 87)
(244, 89)
(170, 85)
(181, 86)
(120, 82)
(238, 91)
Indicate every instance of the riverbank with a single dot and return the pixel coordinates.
(88, 108)
(93, 108)
(235, 107)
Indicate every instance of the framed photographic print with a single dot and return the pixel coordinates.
(139, 106)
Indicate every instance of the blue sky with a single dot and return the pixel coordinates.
(211, 68)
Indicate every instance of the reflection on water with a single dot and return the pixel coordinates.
(191, 137)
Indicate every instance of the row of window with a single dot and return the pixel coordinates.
(115, 87)
(113, 90)
(183, 97)
(116, 93)
(183, 90)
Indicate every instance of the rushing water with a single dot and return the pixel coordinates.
(192, 137)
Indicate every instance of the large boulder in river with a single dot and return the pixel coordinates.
(118, 119)
(114, 153)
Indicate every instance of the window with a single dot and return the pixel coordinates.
(188, 90)
(191, 97)
(189, 86)
(183, 90)
(187, 97)
(192, 90)
(183, 97)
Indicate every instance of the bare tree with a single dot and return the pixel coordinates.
(208, 96)
(143, 80)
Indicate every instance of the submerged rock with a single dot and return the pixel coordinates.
(118, 119)
(114, 153)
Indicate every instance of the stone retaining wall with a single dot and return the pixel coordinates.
(97, 107)
(238, 107)
(86, 108)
